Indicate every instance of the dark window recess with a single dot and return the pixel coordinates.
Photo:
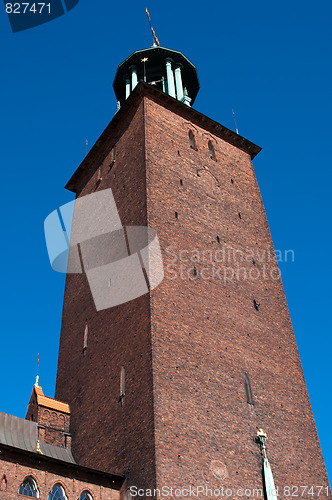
(192, 140)
(240, 216)
(85, 338)
(3, 484)
(57, 493)
(179, 154)
(29, 488)
(181, 182)
(256, 305)
(250, 400)
(122, 385)
(232, 181)
(176, 215)
(112, 157)
(85, 496)
(195, 273)
(212, 151)
(218, 239)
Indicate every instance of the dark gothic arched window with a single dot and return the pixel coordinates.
(57, 493)
(192, 140)
(85, 496)
(211, 150)
(29, 488)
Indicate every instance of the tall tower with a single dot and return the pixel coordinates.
(170, 388)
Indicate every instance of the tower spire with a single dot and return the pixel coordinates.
(155, 39)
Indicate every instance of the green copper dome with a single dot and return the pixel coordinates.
(168, 70)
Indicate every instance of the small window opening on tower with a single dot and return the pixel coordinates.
(85, 338)
(250, 400)
(181, 182)
(176, 215)
(179, 154)
(3, 484)
(218, 239)
(256, 305)
(211, 151)
(195, 273)
(240, 216)
(113, 151)
(232, 181)
(122, 385)
(192, 140)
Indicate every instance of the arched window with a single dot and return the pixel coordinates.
(211, 150)
(85, 496)
(29, 488)
(192, 140)
(57, 493)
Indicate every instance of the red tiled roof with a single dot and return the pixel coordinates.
(47, 402)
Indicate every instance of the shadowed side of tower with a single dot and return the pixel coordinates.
(209, 355)
(94, 347)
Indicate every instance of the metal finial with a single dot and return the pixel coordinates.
(262, 437)
(38, 449)
(37, 377)
(155, 39)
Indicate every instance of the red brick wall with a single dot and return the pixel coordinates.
(206, 332)
(16, 473)
(54, 425)
(106, 435)
(194, 425)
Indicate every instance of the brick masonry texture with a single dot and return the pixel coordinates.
(54, 426)
(13, 473)
(188, 344)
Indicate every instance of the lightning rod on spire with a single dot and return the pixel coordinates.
(236, 129)
(37, 378)
(155, 39)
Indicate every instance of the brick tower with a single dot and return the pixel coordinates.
(170, 388)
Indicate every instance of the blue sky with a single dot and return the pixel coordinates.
(271, 62)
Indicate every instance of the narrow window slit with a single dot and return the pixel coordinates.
(85, 338)
(192, 140)
(250, 400)
(176, 215)
(122, 385)
(211, 151)
(112, 158)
